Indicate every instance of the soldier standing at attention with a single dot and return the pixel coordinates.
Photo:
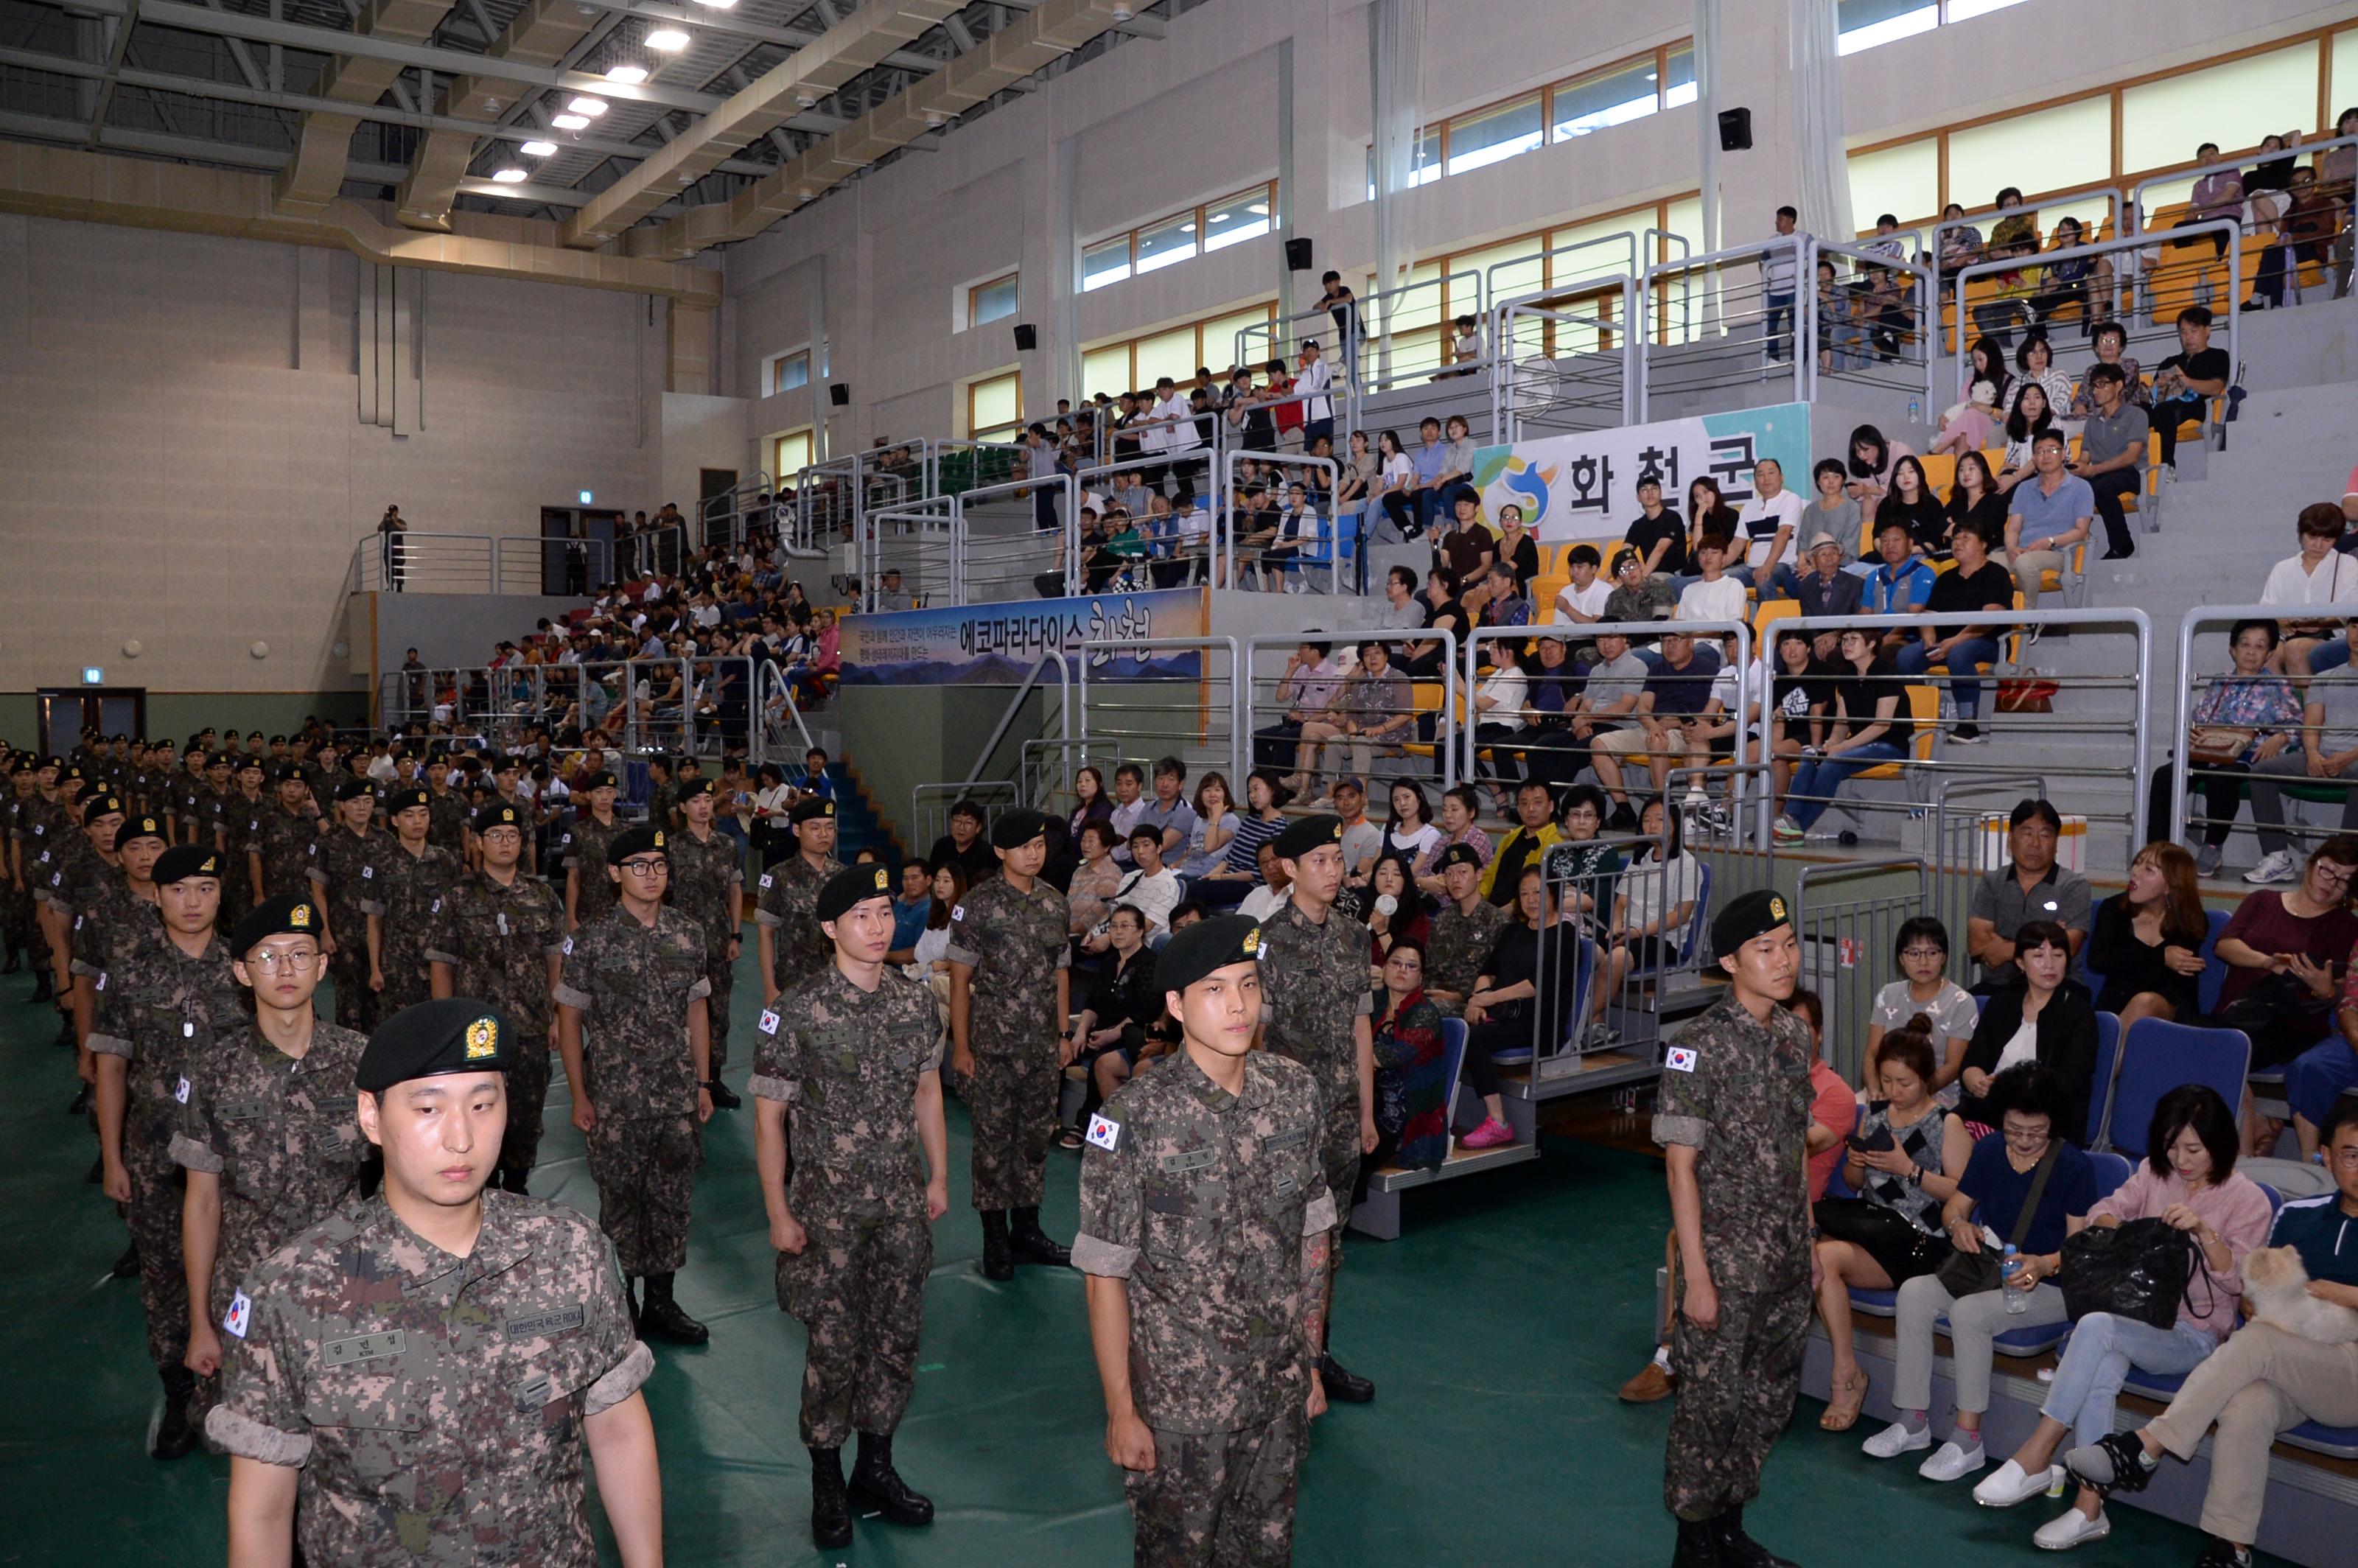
(282, 841)
(1206, 1227)
(22, 943)
(1010, 1006)
(588, 894)
(113, 912)
(343, 882)
(267, 1137)
(786, 937)
(79, 869)
(708, 885)
(1318, 1011)
(506, 774)
(448, 806)
(171, 996)
(1732, 1119)
(483, 1336)
(500, 939)
(634, 984)
(404, 903)
(854, 1056)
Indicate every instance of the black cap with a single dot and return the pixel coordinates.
(457, 1035)
(693, 789)
(809, 807)
(1203, 947)
(605, 780)
(140, 827)
(645, 839)
(283, 916)
(1307, 833)
(498, 815)
(401, 800)
(351, 789)
(1459, 855)
(181, 861)
(280, 772)
(96, 801)
(854, 885)
(248, 760)
(89, 792)
(1754, 914)
(1018, 827)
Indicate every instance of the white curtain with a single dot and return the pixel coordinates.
(1395, 59)
(1706, 69)
(1822, 185)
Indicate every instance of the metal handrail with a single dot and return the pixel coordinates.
(1686, 254)
(1505, 413)
(2137, 192)
(1070, 527)
(2183, 712)
(870, 552)
(2120, 219)
(1708, 266)
(758, 749)
(1920, 300)
(1015, 706)
(2042, 259)
(1239, 741)
(1224, 519)
(1383, 306)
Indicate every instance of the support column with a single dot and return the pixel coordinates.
(688, 352)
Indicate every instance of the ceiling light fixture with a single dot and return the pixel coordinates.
(569, 122)
(587, 105)
(627, 75)
(509, 175)
(538, 149)
(717, 5)
(667, 39)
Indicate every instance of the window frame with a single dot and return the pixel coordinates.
(974, 292)
(1226, 314)
(1198, 215)
(773, 372)
(994, 432)
(1422, 172)
(780, 475)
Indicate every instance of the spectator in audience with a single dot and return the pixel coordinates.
(1311, 679)
(1967, 425)
(1460, 805)
(1457, 468)
(1463, 347)
(1801, 692)
(1468, 546)
(2036, 362)
(2065, 282)
(1912, 502)
(2112, 343)
(1779, 269)
(1707, 513)
(1903, 1161)
(2184, 383)
(2314, 577)
(1464, 931)
(1974, 498)
(1395, 911)
(2285, 953)
(1550, 708)
(1675, 693)
(1656, 533)
(1871, 725)
(2031, 1149)
(1582, 864)
(1168, 811)
(1717, 595)
(1654, 902)
(1403, 612)
(2032, 416)
(910, 912)
(933, 948)
(1373, 707)
(1362, 839)
(2015, 234)
(1390, 499)
(1636, 595)
(1412, 1079)
(1498, 715)
(1868, 472)
(2148, 940)
(1826, 588)
(2031, 886)
(1902, 580)
(1091, 803)
(1522, 999)
(1088, 895)
(1123, 1007)
(1314, 404)
(1768, 524)
(1275, 888)
(2216, 195)
(2306, 230)
(1921, 953)
(2040, 1014)
(1517, 551)
(1214, 827)
(1835, 511)
(2316, 1080)
(966, 844)
(1582, 601)
(1410, 830)
(1150, 887)
(1961, 243)
(2188, 1182)
(1977, 584)
(1226, 882)
(1128, 801)
(2047, 517)
(2328, 751)
(1535, 830)
(2112, 455)
(2243, 718)
(2262, 1379)
(2337, 182)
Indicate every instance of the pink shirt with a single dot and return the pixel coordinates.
(2236, 1209)
(1833, 1104)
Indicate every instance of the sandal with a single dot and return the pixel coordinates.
(1842, 1413)
(1070, 1137)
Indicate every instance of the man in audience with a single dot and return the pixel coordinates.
(2112, 455)
(1581, 602)
(1716, 595)
(2328, 750)
(2186, 382)
(2047, 514)
(2031, 886)
(1413, 505)
(1826, 588)
(1403, 612)
(1609, 703)
(1468, 547)
(1901, 584)
(1977, 584)
(1766, 526)
(1779, 269)
(1363, 841)
(1674, 695)
(1657, 533)
(1317, 407)
(1168, 813)
(1535, 829)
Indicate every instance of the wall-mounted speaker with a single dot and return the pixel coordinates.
(1297, 255)
(1735, 130)
(1027, 337)
(840, 394)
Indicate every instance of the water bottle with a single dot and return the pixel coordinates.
(2017, 1302)
(1915, 411)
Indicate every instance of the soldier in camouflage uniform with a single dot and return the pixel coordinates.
(1205, 1228)
(404, 902)
(708, 885)
(1734, 1119)
(415, 1378)
(280, 841)
(853, 1054)
(267, 1139)
(45, 818)
(447, 808)
(1010, 1011)
(1463, 934)
(634, 984)
(662, 793)
(344, 883)
(16, 906)
(113, 912)
(500, 937)
(785, 939)
(589, 895)
(1317, 1009)
(236, 812)
(173, 995)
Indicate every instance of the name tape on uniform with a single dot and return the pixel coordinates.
(1105, 1132)
(1680, 1059)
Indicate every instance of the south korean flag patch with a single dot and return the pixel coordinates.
(1680, 1059)
(241, 1311)
(1105, 1132)
(181, 1091)
(766, 879)
(768, 1021)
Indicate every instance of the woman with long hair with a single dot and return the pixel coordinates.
(2032, 416)
(2045, 1017)
(2147, 940)
(1091, 801)
(1708, 516)
(1410, 830)
(1868, 472)
(1394, 882)
(1411, 1081)
(1974, 500)
(1911, 500)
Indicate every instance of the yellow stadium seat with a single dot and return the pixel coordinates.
(1924, 707)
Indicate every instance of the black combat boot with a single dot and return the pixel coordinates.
(1737, 1550)
(127, 1266)
(16, 960)
(996, 1263)
(723, 1096)
(80, 1101)
(1698, 1544)
(175, 1438)
(663, 1317)
(1027, 1243)
(876, 1487)
(41, 990)
(1342, 1386)
(631, 1299)
(830, 1507)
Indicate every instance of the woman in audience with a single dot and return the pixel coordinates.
(1088, 897)
(1123, 1004)
(1411, 832)
(1959, 246)
(2112, 343)
(1507, 1010)
(2286, 953)
(2147, 941)
(1406, 920)
(1891, 1233)
(2032, 416)
(1216, 824)
(1833, 510)
(2244, 717)
(772, 800)
(1921, 951)
(933, 964)
(1871, 458)
(1361, 471)
(1460, 805)
(1239, 870)
(1974, 498)
(1412, 1070)
(1870, 725)
(1654, 899)
(1518, 551)
(1581, 866)
(2188, 1182)
(2063, 283)
(2036, 362)
(1091, 803)
(2029, 1150)
(1911, 500)
(1708, 516)
(1967, 425)
(2042, 1016)
(1499, 721)
(1395, 473)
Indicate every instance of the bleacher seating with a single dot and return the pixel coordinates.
(2157, 1057)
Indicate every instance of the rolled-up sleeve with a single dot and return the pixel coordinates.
(260, 1415)
(575, 979)
(1683, 1109)
(621, 1381)
(1112, 1208)
(776, 1074)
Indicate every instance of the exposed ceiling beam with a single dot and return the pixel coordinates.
(1135, 25)
(41, 127)
(727, 25)
(118, 45)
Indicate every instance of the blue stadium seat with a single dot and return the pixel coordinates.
(2214, 968)
(1453, 1051)
(2157, 1057)
(2108, 1060)
(1585, 962)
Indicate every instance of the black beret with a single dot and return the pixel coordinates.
(89, 792)
(1459, 855)
(140, 827)
(182, 861)
(605, 779)
(49, 762)
(810, 808)
(1307, 833)
(281, 772)
(351, 789)
(693, 789)
(96, 801)
(283, 916)
(857, 885)
(1754, 914)
(1018, 827)
(457, 1035)
(504, 763)
(1203, 947)
(249, 761)
(645, 839)
(498, 815)
(403, 799)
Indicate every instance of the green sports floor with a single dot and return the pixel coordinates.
(1495, 1330)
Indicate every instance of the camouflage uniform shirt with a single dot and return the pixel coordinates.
(702, 877)
(344, 867)
(498, 941)
(789, 894)
(289, 843)
(1460, 946)
(446, 819)
(405, 893)
(1315, 984)
(110, 920)
(585, 854)
(1737, 1091)
(846, 1062)
(635, 982)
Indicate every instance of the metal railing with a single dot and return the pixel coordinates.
(2139, 193)
(1879, 328)
(1978, 223)
(1325, 538)
(1755, 334)
(1007, 562)
(920, 542)
(1563, 388)
(1412, 755)
(775, 707)
(1182, 715)
(929, 807)
(1380, 320)
(417, 562)
(729, 516)
(651, 552)
(1846, 917)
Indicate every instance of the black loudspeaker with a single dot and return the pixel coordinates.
(1027, 337)
(1735, 130)
(840, 394)
(1297, 255)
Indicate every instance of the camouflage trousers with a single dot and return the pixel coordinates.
(154, 1215)
(1737, 1384)
(1012, 1106)
(17, 919)
(859, 1286)
(1338, 1152)
(723, 976)
(407, 980)
(645, 1171)
(1219, 1499)
(528, 1074)
(348, 972)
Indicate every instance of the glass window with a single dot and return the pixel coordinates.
(1520, 271)
(1495, 134)
(996, 404)
(1966, 10)
(1607, 97)
(1107, 369)
(1904, 180)
(1220, 339)
(1679, 85)
(1173, 240)
(2062, 149)
(2344, 90)
(1106, 262)
(2232, 105)
(789, 373)
(1678, 298)
(993, 301)
(1608, 248)
(1240, 217)
(1171, 354)
(1419, 304)
(790, 455)
(1863, 24)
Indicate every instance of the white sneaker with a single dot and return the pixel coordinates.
(1952, 1462)
(2277, 868)
(1895, 1440)
(2009, 1485)
(2070, 1528)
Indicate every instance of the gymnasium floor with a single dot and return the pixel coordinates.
(1497, 1330)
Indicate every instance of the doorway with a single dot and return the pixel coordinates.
(66, 711)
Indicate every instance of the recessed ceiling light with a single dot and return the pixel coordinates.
(538, 149)
(587, 105)
(509, 175)
(627, 75)
(717, 5)
(569, 122)
(667, 39)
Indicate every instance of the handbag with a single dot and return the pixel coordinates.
(2140, 1270)
(2029, 692)
(2215, 745)
(1965, 1273)
(1873, 1229)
